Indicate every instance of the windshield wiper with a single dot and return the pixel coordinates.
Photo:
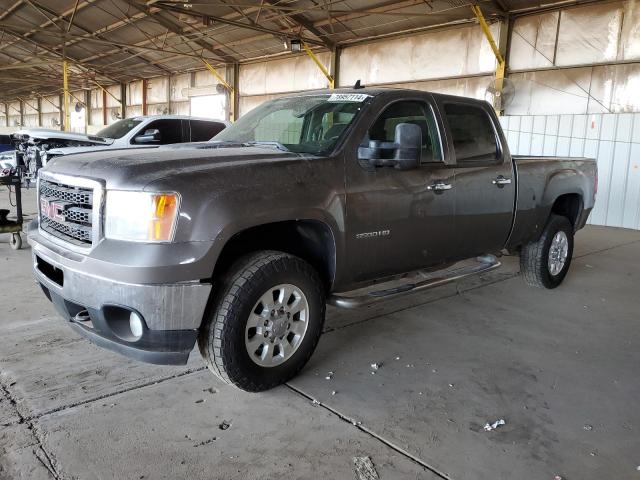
(277, 145)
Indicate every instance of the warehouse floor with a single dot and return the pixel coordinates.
(560, 367)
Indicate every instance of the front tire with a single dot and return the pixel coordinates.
(266, 321)
(545, 262)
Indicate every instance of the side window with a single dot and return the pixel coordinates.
(474, 139)
(414, 112)
(170, 131)
(201, 130)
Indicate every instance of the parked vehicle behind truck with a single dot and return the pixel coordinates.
(36, 146)
(348, 197)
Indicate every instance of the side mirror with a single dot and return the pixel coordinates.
(402, 154)
(151, 135)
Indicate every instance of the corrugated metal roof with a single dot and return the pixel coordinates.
(112, 41)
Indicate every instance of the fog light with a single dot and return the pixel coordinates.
(135, 324)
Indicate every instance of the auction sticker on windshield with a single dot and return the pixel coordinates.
(348, 97)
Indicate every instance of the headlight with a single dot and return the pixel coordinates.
(141, 216)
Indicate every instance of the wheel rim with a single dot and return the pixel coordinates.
(558, 252)
(277, 325)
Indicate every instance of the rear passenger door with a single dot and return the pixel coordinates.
(202, 130)
(485, 182)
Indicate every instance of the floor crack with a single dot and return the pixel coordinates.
(371, 433)
(112, 394)
(49, 461)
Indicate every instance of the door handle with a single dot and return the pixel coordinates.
(439, 186)
(501, 181)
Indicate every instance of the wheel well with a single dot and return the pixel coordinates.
(310, 240)
(568, 205)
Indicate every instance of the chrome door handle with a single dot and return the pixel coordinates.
(501, 181)
(439, 186)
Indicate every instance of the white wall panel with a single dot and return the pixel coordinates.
(589, 34)
(446, 53)
(474, 87)
(134, 94)
(287, 75)
(600, 89)
(179, 87)
(613, 139)
(533, 41)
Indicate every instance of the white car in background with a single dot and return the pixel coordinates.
(37, 146)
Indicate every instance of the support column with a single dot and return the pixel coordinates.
(233, 79)
(6, 114)
(104, 106)
(39, 105)
(123, 100)
(323, 69)
(500, 57)
(145, 86)
(87, 106)
(334, 69)
(65, 85)
(168, 94)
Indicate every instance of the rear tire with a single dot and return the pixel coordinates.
(266, 321)
(545, 262)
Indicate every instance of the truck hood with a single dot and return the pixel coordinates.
(44, 134)
(94, 148)
(135, 169)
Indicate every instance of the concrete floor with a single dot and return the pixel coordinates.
(560, 367)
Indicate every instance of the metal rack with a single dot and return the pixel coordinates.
(13, 227)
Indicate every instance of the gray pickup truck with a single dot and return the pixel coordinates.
(344, 197)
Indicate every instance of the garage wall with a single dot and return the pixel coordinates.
(613, 139)
(262, 81)
(409, 61)
(552, 57)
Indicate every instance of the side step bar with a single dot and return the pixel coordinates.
(483, 264)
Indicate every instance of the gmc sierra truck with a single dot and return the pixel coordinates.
(344, 197)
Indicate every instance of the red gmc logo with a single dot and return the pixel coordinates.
(52, 210)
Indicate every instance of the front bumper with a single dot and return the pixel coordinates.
(171, 313)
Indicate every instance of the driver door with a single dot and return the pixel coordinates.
(400, 220)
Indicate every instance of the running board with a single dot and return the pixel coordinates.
(483, 264)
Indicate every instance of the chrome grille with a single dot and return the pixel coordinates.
(79, 196)
(66, 212)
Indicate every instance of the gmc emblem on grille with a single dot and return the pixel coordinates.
(52, 210)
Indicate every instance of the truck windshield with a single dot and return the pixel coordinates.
(308, 124)
(119, 129)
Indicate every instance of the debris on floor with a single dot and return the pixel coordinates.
(588, 427)
(205, 442)
(333, 392)
(329, 376)
(492, 426)
(558, 477)
(224, 425)
(315, 402)
(365, 470)
(376, 366)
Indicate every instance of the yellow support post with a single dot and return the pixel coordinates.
(322, 68)
(232, 92)
(500, 69)
(65, 85)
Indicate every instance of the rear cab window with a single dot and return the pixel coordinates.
(472, 133)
